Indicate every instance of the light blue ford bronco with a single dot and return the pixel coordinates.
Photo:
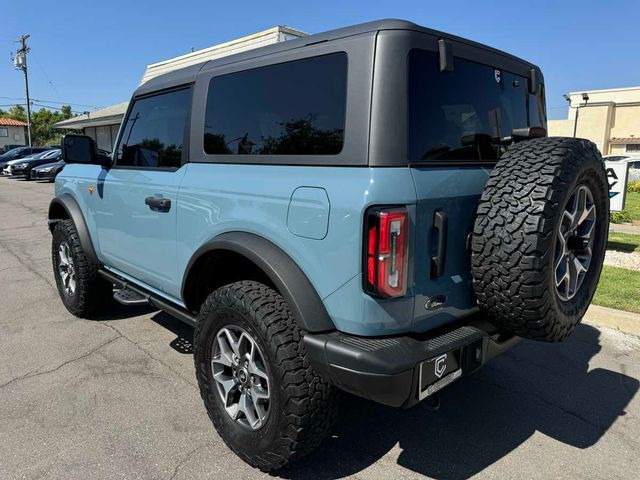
(375, 209)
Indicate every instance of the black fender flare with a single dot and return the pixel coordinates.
(73, 211)
(286, 275)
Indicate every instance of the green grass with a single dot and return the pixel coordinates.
(619, 288)
(623, 242)
(631, 213)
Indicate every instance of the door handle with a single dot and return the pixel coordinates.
(437, 262)
(158, 203)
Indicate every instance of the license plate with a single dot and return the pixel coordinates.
(436, 373)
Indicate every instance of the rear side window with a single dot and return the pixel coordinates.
(153, 135)
(463, 114)
(293, 108)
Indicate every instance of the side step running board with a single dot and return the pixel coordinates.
(126, 296)
(130, 294)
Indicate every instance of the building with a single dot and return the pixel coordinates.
(609, 118)
(11, 132)
(102, 125)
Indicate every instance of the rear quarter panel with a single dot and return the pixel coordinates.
(220, 198)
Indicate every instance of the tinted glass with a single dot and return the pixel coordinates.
(464, 114)
(153, 135)
(294, 108)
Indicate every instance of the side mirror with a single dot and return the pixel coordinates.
(82, 149)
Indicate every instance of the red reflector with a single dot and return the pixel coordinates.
(387, 243)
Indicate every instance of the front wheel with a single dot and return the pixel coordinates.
(82, 291)
(260, 391)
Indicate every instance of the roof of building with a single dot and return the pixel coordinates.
(238, 45)
(624, 140)
(606, 90)
(105, 116)
(10, 122)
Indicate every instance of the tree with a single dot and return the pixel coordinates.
(42, 132)
(17, 112)
(301, 136)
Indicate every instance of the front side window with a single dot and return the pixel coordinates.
(293, 108)
(464, 114)
(153, 134)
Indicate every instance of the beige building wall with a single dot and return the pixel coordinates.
(610, 119)
(11, 135)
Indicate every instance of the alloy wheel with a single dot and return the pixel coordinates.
(240, 375)
(574, 242)
(66, 269)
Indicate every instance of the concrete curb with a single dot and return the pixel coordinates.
(626, 322)
(624, 228)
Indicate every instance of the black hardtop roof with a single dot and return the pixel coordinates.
(187, 74)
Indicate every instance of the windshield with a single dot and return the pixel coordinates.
(40, 154)
(49, 154)
(12, 152)
(467, 113)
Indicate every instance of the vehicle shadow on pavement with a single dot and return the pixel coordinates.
(183, 343)
(534, 387)
(117, 311)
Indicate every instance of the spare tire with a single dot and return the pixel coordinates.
(539, 237)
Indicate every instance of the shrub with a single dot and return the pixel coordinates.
(620, 217)
(633, 187)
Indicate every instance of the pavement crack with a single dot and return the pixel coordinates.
(148, 353)
(7, 246)
(37, 373)
(184, 460)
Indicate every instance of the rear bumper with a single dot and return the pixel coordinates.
(388, 369)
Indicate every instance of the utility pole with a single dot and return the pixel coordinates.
(20, 63)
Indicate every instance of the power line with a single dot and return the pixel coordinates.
(52, 101)
(53, 107)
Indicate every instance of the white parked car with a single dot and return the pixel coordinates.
(634, 168)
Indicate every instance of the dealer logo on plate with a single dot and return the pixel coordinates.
(440, 365)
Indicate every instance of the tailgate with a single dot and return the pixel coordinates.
(447, 198)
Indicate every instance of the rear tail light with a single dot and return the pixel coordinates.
(386, 231)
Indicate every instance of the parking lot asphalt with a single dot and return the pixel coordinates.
(117, 397)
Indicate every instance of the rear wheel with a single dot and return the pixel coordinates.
(259, 389)
(82, 291)
(539, 237)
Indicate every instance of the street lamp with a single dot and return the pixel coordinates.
(585, 97)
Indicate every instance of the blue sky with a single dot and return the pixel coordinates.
(93, 53)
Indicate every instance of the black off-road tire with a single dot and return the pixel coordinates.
(303, 405)
(92, 293)
(514, 237)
